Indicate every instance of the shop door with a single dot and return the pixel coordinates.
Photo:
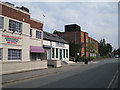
(60, 54)
(48, 54)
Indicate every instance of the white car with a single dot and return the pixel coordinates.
(116, 56)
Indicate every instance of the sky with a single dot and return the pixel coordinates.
(99, 19)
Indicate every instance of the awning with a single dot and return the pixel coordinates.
(36, 49)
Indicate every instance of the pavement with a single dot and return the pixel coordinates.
(97, 74)
(9, 78)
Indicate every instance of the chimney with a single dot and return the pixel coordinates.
(24, 9)
(9, 4)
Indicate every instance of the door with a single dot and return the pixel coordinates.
(48, 54)
(60, 54)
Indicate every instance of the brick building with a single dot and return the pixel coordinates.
(21, 38)
(73, 34)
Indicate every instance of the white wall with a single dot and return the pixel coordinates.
(27, 41)
(59, 46)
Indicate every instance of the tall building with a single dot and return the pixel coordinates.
(74, 34)
(21, 39)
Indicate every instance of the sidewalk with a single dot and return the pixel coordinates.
(8, 78)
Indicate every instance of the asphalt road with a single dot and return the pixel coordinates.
(101, 74)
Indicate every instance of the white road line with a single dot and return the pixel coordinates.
(112, 79)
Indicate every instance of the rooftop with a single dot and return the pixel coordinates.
(53, 37)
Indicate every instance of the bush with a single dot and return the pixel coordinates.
(104, 56)
(91, 58)
(83, 58)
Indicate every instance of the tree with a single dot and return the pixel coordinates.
(115, 52)
(56, 32)
(104, 48)
(118, 50)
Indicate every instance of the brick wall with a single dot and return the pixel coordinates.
(18, 15)
(70, 36)
(83, 43)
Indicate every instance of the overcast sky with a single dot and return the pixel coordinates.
(99, 19)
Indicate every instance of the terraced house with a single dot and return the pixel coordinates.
(21, 40)
(74, 34)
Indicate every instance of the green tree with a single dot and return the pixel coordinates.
(104, 48)
(115, 52)
(118, 51)
(56, 32)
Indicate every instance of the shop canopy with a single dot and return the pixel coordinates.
(36, 49)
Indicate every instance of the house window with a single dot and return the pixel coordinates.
(56, 52)
(30, 32)
(66, 53)
(1, 23)
(14, 54)
(15, 26)
(0, 53)
(53, 52)
(38, 34)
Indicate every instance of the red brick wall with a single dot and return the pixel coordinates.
(86, 44)
(36, 25)
(18, 15)
(95, 44)
(15, 14)
(82, 41)
(70, 36)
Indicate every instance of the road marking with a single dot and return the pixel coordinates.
(112, 80)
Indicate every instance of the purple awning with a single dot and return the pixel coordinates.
(36, 49)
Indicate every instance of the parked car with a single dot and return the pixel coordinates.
(117, 56)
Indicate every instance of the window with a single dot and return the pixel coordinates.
(56, 52)
(38, 34)
(82, 53)
(53, 52)
(14, 54)
(15, 26)
(30, 32)
(0, 54)
(87, 40)
(82, 35)
(1, 23)
(66, 53)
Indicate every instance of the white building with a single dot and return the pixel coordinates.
(21, 40)
(56, 47)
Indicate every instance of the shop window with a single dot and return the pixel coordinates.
(15, 26)
(56, 52)
(0, 53)
(66, 53)
(30, 32)
(38, 34)
(14, 54)
(53, 53)
(1, 22)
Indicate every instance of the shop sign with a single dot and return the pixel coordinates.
(9, 39)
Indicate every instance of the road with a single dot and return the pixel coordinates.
(100, 74)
